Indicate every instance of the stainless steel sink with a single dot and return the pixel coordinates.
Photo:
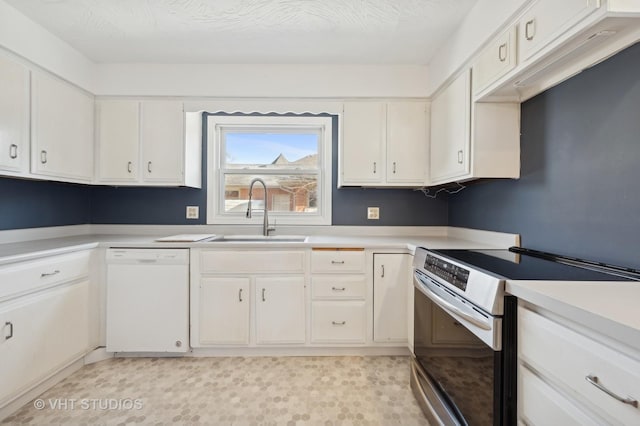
(262, 239)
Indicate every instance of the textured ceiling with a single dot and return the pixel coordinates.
(251, 31)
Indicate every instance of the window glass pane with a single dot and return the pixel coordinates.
(270, 150)
(286, 193)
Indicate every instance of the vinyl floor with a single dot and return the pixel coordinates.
(231, 391)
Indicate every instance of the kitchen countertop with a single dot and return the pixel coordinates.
(33, 249)
(609, 308)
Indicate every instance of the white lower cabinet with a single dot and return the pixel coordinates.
(390, 277)
(579, 368)
(41, 333)
(224, 306)
(280, 310)
(338, 321)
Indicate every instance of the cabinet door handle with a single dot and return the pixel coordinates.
(149, 166)
(338, 288)
(240, 295)
(43, 156)
(49, 274)
(374, 167)
(382, 274)
(337, 262)
(263, 298)
(13, 151)
(10, 335)
(129, 166)
(530, 29)
(338, 323)
(595, 382)
(394, 167)
(502, 52)
(460, 157)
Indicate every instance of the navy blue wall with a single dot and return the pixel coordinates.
(127, 205)
(32, 204)
(578, 194)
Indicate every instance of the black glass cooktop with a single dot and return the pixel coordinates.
(523, 264)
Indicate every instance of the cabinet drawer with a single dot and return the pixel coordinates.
(545, 22)
(575, 357)
(247, 262)
(540, 404)
(338, 286)
(25, 277)
(495, 61)
(337, 261)
(338, 322)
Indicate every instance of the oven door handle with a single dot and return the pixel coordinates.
(451, 309)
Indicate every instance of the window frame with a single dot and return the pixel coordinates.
(216, 127)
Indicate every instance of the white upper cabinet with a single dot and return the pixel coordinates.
(61, 130)
(117, 141)
(472, 140)
(162, 140)
(496, 60)
(143, 143)
(450, 130)
(14, 117)
(363, 139)
(546, 20)
(384, 144)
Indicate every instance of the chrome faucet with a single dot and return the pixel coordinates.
(265, 225)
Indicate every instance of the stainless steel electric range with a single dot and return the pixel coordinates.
(464, 365)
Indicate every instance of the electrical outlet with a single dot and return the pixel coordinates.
(373, 213)
(193, 212)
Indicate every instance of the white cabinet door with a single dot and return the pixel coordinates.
(450, 130)
(495, 61)
(280, 310)
(41, 333)
(14, 116)
(61, 130)
(407, 143)
(162, 140)
(390, 276)
(363, 140)
(118, 135)
(548, 19)
(224, 309)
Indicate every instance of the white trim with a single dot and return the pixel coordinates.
(215, 185)
(264, 106)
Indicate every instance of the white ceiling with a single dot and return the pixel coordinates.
(251, 31)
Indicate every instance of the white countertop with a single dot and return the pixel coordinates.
(27, 250)
(610, 308)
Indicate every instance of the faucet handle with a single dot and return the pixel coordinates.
(272, 227)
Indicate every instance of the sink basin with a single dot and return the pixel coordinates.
(262, 239)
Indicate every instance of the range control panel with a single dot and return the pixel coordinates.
(449, 272)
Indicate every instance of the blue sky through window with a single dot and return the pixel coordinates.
(263, 148)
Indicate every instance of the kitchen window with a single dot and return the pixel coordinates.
(291, 154)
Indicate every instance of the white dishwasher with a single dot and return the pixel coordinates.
(147, 300)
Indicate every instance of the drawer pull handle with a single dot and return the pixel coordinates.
(149, 166)
(43, 156)
(49, 274)
(337, 262)
(595, 382)
(394, 167)
(338, 323)
(13, 151)
(529, 35)
(460, 158)
(10, 324)
(240, 295)
(263, 298)
(382, 275)
(338, 288)
(129, 166)
(502, 52)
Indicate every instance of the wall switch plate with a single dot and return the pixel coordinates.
(193, 212)
(373, 212)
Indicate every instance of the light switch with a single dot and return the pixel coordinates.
(373, 213)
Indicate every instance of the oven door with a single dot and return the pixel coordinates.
(455, 371)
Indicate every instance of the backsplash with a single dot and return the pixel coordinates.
(578, 192)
